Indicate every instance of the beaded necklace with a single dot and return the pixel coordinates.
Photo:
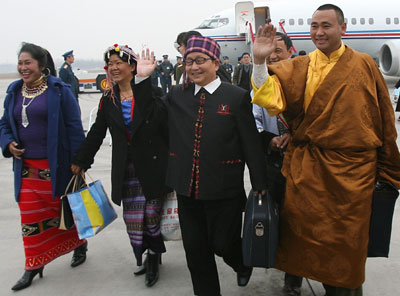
(39, 87)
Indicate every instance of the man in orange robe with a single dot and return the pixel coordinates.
(343, 141)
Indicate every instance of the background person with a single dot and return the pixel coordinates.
(41, 129)
(139, 155)
(343, 142)
(67, 75)
(166, 71)
(398, 99)
(155, 75)
(242, 74)
(228, 67)
(178, 69)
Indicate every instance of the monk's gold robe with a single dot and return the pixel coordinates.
(341, 144)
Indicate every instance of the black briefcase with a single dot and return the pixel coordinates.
(260, 231)
(383, 203)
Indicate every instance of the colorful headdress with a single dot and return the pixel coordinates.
(205, 45)
(121, 50)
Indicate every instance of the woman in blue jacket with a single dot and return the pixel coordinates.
(41, 129)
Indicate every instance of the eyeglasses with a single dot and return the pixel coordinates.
(198, 61)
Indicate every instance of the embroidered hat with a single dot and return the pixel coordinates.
(203, 44)
(121, 50)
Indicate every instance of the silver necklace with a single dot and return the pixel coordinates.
(30, 94)
(24, 116)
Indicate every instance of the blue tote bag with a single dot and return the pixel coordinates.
(91, 209)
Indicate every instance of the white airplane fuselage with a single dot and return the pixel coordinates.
(372, 27)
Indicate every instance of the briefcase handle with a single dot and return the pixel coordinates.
(258, 198)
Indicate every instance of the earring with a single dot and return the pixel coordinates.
(46, 72)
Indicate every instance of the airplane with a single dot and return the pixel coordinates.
(372, 27)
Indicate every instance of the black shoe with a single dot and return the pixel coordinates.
(79, 255)
(292, 285)
(141, 269)
(26, 279)
(243, 276)
(153, 260)
(291, 291)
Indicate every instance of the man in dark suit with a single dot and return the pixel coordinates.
(212, 136)
(166, 71)
(242, 74)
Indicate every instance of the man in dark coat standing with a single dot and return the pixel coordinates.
(228, 67)
(178, 69)
(166, 71)
(242, 74)
(212, 135)
(67, 75)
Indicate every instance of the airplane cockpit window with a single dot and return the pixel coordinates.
(213, 23)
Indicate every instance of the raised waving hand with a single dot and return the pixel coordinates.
(264, 43)
(146, 63)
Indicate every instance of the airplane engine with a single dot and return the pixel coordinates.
(389, 58)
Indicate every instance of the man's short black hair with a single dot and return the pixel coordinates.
(285, 38)
(339, 12)
(183, 37)
(243, 54)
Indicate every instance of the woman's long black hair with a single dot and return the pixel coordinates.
(41, 55)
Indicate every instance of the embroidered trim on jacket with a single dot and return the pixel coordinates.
(233, 161)
(196, 149)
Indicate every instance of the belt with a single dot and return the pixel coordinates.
(36, 228)
(35, 173)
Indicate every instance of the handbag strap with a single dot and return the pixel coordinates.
(75, 179)
(84, 178)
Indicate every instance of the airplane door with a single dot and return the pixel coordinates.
(262, 16)
(244, 12)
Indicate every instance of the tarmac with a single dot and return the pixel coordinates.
(110, 262)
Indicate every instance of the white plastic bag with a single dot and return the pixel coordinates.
(170, 228)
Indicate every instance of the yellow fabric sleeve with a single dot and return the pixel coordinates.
(270, 96)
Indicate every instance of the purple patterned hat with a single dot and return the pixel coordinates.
(205, 45)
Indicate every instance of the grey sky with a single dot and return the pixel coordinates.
(90, 26)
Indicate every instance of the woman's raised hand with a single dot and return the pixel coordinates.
(146, 63)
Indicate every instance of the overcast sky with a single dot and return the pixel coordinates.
(90, 26)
